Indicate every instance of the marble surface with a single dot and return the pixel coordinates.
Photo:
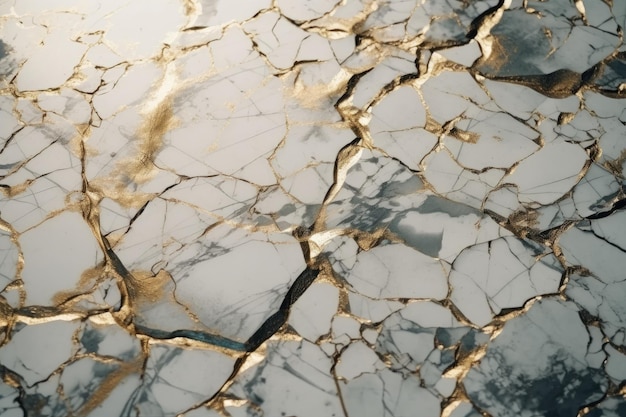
(317, 208)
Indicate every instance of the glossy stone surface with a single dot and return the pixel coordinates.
(319, 208)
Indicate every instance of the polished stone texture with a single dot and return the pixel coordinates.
(317, 208)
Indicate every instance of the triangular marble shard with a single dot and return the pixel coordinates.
(372, 208)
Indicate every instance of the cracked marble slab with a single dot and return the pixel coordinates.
(329, 207)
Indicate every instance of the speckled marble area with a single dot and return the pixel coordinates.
(320, 208)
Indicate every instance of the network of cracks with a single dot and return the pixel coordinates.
(319, 208)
